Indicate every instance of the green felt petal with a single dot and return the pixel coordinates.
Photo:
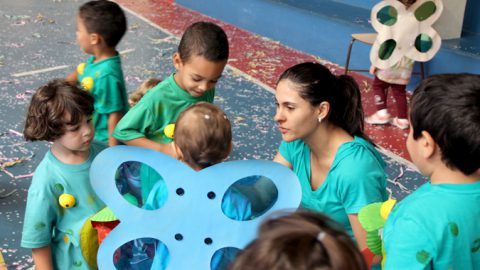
(369, 217)
(105, 215)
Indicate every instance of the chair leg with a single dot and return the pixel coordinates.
(348, 55)
(422, 70)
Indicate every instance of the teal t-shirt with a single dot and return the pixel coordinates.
(159, 107)
(356, 178)
(436, 227)
(46, 223)
(107, 87)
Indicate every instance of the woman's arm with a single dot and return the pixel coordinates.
(42, 257)
(358, 231)
(280, 159)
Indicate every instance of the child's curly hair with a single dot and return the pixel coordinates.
(53, 106)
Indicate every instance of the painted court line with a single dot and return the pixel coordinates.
(44, 70)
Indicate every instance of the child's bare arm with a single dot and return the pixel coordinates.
(146, 143)
(113, 120)
(42, 257)
(72, 78)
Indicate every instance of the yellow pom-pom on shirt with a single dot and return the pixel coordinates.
(81, 68)
(87, 83)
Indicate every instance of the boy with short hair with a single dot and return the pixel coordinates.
(100, 27)
(437, 226)
(199, 62)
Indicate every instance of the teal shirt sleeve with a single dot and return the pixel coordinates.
(286, 150)
(135, 124)
(40, 214)
(407, 245)
(362, 180)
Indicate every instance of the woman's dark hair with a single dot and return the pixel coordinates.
(105, 18)
(316, 84)
(301, 240)
(53, 106)
(204, 135)
(204, 39)
(447, 106)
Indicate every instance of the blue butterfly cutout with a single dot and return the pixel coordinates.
(194, 214)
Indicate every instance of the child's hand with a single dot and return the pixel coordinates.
(372, 70)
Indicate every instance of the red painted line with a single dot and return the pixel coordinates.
(262, 59)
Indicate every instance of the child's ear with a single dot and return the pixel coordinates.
(95, 39)
(177, 150)
(428, 145)
(177, 61)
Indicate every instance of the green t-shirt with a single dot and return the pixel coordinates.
(356, 178)
(436, 227)
(159, 107)
(108, 90)
(46, 223)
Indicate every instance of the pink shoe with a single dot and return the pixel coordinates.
(400, 123)
(377, 119)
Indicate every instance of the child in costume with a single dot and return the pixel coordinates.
(199, 62)
(100, 27)
(301, 240)
(60, 198)
(142, 90)
(437, 226)
(396, 78)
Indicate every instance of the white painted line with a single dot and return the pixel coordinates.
(43, 70)
(148, 21)
(27, 73)
(126, 51)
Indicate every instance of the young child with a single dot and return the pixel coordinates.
(60, 198)
(301, 240)
(142, 90)
(203, 137)
(396, 78)
(437, 226)
(199, 62)
(100, 27)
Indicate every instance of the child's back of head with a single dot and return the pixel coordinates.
(105, 18)
(203, 135)
(301, 240)
(54, 106)
(204, 39)
(447, 106)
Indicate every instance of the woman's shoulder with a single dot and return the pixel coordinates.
(359, 155)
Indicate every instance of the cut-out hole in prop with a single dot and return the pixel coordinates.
(208, 241)
(211, 195)
(387, 15)
(423, 43)
(223, 257)
(180, 191)
(137, 181)
(178, 237)
(425, 11)
(138, 254)
(249, 198)
(386, 49)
